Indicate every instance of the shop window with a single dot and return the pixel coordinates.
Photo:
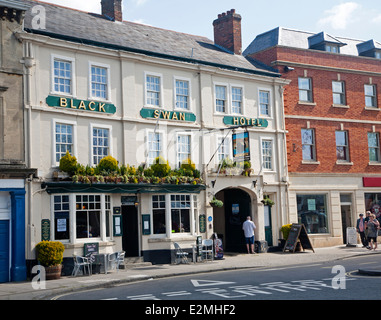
(61, 217)
(373, 204)
(158, 213)
(312, 212)
(180, 213)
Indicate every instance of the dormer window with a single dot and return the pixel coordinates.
(332, 48)
(370, 49)
(377, 55)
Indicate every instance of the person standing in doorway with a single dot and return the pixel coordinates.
(360, 227)
(373, 226)
(248, 228)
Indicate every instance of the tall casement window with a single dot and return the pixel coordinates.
(183, 148)
(99, 82)
(267, 154)
(221, 98)
(223, 148)
(374, 146)
(370, 96)
(64, 140)
(237, 100)
(155, 146)
(153, 90)
(308, 145)
(180, 213)
(158, 214)
(62, 76)
(182, 94)
(342, 146)
(100, 144)
(338, 92)
(264, 103)
(305, 90)
(61, 217)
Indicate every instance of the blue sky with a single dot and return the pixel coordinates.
(353, 19)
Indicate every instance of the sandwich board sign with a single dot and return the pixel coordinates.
(297, 233)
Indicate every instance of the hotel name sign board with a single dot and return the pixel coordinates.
(180, 116)
(75, 104)
(243, 121)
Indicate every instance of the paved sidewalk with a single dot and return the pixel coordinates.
(25, 291)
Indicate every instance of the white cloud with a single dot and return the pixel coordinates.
(141, 2)
(340, 16)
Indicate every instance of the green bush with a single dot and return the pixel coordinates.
(188, 165)
(108, 164)
(68, 163)
(160, 167)
(286, 230)
(50, 253)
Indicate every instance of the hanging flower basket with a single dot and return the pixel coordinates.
(215, 203)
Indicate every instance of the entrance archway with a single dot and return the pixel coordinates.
(228, 220)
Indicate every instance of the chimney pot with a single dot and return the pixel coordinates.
(227, 31)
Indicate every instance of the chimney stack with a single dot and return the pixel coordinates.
(227, 31)
(112, 9)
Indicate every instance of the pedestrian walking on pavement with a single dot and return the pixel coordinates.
(373, 225)
(248, 228)
(360, 227)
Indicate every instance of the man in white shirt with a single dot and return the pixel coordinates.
(248, 228)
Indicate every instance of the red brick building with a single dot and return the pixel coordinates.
(333, 119)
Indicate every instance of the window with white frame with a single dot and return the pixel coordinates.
(332, 48)
(370, 95)
(159, 214)
(374, 146)
(308, 145)
(100, 144)
(99, 82)
(62, 76)
(153, 90)
(155, 146)
(264, 103)
(180, 213)
(305, 89)
(61, 207)
(182, 94)
(267, 154)
(338, 91)
(342, 146)
(64, 140)
(223, 144)
(183, 148)
(221, 98)
(237, 100)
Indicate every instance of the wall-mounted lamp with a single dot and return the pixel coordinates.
(287, 69)
(255, 183)
(213, 183)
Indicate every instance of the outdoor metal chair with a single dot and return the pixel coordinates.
(207, 249)
(181, 256)
(120, 259)
(81, 262)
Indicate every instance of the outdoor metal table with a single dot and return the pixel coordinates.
(100, 259)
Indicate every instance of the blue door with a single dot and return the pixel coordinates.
(4, 251)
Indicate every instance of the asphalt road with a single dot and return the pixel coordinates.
(320, 281)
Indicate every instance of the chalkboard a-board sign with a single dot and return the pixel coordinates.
(91, 248)
(298, 232)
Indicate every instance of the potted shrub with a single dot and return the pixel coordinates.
(216, 203)
(50, 256)
(68, 163)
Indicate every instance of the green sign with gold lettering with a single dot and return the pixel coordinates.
(244, 121)
(75, 104)
(167, 115)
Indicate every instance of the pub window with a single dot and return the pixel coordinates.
(64, 140)
(183, 148)
(267, 154)
(180, 213)
(221, 98)
(99, 82)
(88, 216)
(62, 79)
(101, 144)
(237, 100)
(155, 146)
(264, 103)
(182, 94)
(158, 213)
(223, 148)
(61, 217)
(312, 212)
(153, 90)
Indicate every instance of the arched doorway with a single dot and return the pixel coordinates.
(228, 220)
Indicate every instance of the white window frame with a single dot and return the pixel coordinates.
(73, 93)
(242, 99)
(373, 97)
(100, 126)
(343, 94)
(190, 135)
(227, 98)
(164, 144)
(377, 148)
(308, 91)
(313, 145)
(108, 83)
(161, 93)
(346, 146)
(270, 139)
(260, 114)
(228, 143)
(175, 79)
(54, 144)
